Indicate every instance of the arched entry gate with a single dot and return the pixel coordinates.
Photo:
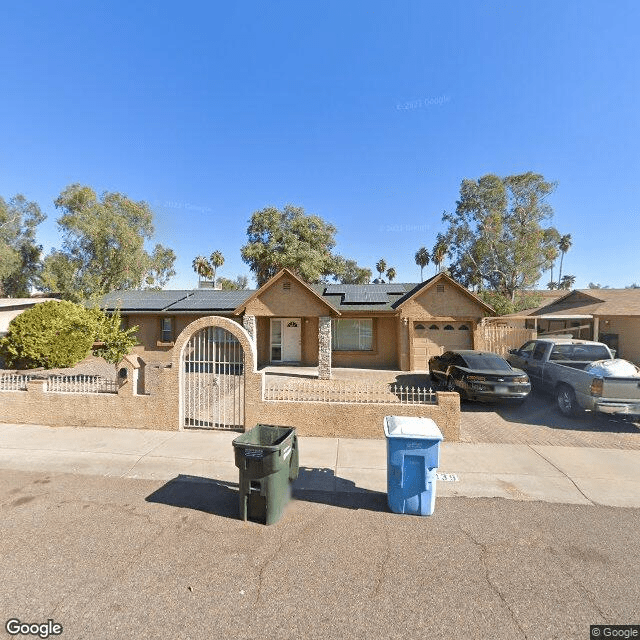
(212, 367)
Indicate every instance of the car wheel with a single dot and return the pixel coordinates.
(566, 400)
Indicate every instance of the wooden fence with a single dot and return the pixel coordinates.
(500, 338)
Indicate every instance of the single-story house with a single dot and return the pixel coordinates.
(392, 326)
(11, 308)
(611, 316)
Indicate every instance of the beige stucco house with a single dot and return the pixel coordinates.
(391, 326)
(611, 316)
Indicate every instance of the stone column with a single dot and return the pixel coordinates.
(249, 323)
(324, 348)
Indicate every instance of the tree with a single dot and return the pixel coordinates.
(563, 245)
(567, 282)
(503, 304)
(391, 274)
(19, 253)
(103, 246)
(202, 267)
(439, 252)
(552, 238)
(290, 238)
(216, 259)
(497, 232)
(348, 272)
(422, 259)
(381, 267)
(241, 282)
(117, 341)
(51, 334)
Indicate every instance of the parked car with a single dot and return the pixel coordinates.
(479, 375)
(566, 368)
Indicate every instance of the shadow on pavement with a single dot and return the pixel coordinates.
(201, 494)
(220, 498)
(323, 486)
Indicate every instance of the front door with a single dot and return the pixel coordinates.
(285, 340)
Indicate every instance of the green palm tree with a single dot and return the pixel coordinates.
(567, 282)
(202, 267)
(216, 260)
(439, 252)
(422, 259)
(381, 267)
(564, 245)
(391, 274)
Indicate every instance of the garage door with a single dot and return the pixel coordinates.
(434, 338)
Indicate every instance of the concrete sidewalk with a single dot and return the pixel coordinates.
(570, 475)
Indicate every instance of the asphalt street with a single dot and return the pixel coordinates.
(119, 558)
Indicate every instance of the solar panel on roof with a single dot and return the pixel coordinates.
(371, 297)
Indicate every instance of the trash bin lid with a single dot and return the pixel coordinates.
(410, 427)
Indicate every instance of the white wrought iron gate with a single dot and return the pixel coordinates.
(212, 388)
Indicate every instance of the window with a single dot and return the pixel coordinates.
(434, 327)
(463, 327)
(539, 350)
(166, 330)
(419, 327)
(448, 328)
(350, 334)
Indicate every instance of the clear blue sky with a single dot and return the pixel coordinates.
(211, 111)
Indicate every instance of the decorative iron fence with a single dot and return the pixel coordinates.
(353, 392)
(81, 384)
(14, 382)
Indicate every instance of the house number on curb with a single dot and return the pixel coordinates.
(447, 477)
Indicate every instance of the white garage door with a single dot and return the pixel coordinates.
(434, 338)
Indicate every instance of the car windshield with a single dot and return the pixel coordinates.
(486, 361)
(579, 352)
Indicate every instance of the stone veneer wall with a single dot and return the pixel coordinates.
(324, 348)
(249, 323)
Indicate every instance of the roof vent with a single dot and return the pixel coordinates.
(286, 285)
(440, 288)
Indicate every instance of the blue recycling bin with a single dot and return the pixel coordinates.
(413, 456)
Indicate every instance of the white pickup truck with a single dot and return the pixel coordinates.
(560, 366)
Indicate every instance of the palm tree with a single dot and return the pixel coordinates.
(422, 259)
(567, 282)
(216, 260)
(551, 255)
(381, 267)
(439, 252)
(202, 267)
(391, 274)
(564, 245)
(552, 285)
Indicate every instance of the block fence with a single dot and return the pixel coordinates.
(158, 407)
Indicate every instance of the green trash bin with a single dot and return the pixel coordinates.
(268, 460)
